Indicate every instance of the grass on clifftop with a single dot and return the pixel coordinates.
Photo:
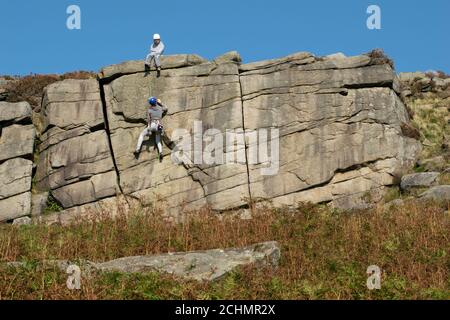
(324, 255)
(30, 88)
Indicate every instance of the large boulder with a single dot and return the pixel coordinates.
(15, 112)
(16, 151)
(207, 265)
(75, 160)
(419, 180)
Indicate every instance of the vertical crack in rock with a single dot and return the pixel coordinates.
(245, 142)
(108, 133)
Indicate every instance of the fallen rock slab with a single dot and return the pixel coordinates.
(208, 265)
(440, 193)
(419, 180)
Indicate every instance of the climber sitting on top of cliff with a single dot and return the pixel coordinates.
(155, 113)
(156, 50)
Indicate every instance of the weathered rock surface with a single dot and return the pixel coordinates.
(38, 203)
(208, 265)
(15, 206)
(16, 151)
(16, 177)
(419, 180)
(75, 162)
(22, 221)
(340, 129)
(17, 133)
(207, 92)
(336, 116)
(338, 121)
(168, 62)
(440, 193)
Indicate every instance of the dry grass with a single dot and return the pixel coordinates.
(325, 255)
(410, 131)
(437, 74)
(30, 88)
(377, 56)
(431, 121)
(6, 77)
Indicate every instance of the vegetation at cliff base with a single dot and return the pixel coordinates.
(324, 254)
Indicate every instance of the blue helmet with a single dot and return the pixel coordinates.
(152, 101)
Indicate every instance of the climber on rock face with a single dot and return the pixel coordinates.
(156, 50)
(155, 113)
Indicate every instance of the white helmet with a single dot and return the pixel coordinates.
(156, 36)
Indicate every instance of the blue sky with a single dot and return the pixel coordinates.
(35, 38)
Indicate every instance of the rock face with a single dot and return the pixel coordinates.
(207, 92)
(339, 123)
(340, 127)
(298, 128)
(16, 151)
(75, 162)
